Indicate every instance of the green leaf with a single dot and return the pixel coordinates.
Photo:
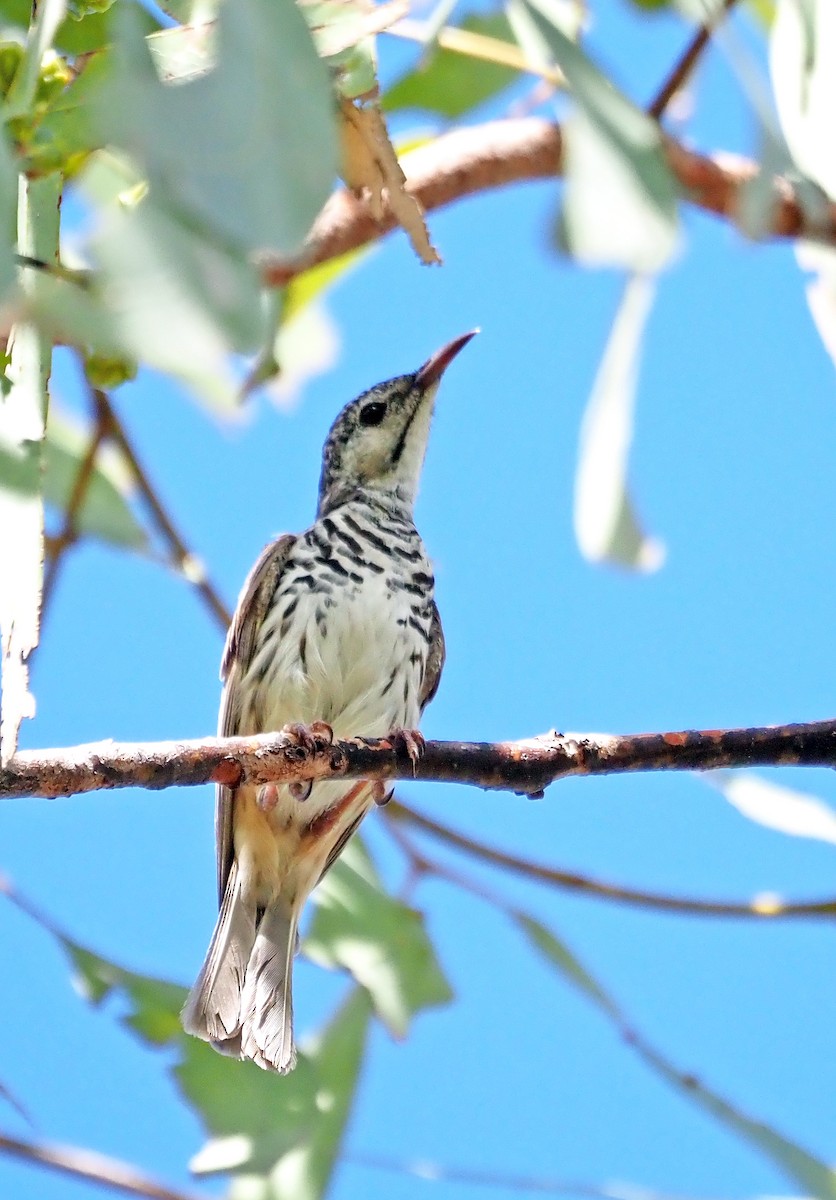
(381, 941)
(605, 522)
(614, 163)
(560, 956)
(69, 130)
(280, 1135)
(154, 1005)
(764, 10)
(267, 1118)
(336, 1056)
(105, 512)
(178, 301)
(776, 807)
(8, 209)
(340, 32)
(453, 84)
(248, 150)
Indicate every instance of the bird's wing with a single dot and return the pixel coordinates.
(435, 660)
(253, 604)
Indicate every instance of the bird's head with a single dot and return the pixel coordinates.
(378, 441)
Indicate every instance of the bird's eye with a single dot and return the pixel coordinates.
(372, 414)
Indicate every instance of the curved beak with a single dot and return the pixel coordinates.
(436, 365)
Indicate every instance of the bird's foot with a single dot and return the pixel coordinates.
(381, 793)
(309, 737)
(409, 741)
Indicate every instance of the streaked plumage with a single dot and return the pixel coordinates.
(339, 625)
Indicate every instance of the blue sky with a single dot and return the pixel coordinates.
(732, 468)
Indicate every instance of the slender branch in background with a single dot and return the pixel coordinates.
(683, 68)
(482, 157)
(767, 906)
(187, 563)
(92, 1167)
(68, 534)
(525, 767)
(435, 1172)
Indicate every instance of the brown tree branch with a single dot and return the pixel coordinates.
(93, 1167)
(763, 907)
(478, 158)
(187, 563)
(683, 68)
(68, 533)
(526, 766)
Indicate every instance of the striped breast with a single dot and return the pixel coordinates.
(347, 636)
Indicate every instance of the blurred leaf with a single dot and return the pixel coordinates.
(8, 210)
(305, 346)
(343, 32)
(820, 290)
(776, 807)
(605, 524)
(154, 1005)
(184, 52)
(250, 149)
(560, 956)
(337, 1056)
(85, 28)
(105, 512)
(279, 1134)
(381, 941)
(613, 163)
(764, 10)
(453, 84)
(255, 1116)
(815, 1177)
(802, 59)
(177, 301)
(69, 131)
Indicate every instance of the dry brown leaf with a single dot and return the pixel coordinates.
(370, 167)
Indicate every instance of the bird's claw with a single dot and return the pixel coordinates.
(408, 741)
(381, 793)
(309, 737)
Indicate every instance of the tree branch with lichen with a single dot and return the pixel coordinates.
(527, 766)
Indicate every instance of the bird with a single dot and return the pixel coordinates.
(336, 634)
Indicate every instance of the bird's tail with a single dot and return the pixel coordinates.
(242, 1000)
(213, 1009)
(267, 1000)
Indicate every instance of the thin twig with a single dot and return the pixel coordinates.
(526, 766)
(68, 534)
(436, 1172)
(187, 563)
(93, 1167)
(683, 68)
(759, 907)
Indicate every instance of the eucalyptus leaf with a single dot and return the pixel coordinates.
(606, 526)
(178, 301)
(776, 807)
(248, 150)
(453, 84)
(620, 206)
(382, 942)
(813, 1175)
